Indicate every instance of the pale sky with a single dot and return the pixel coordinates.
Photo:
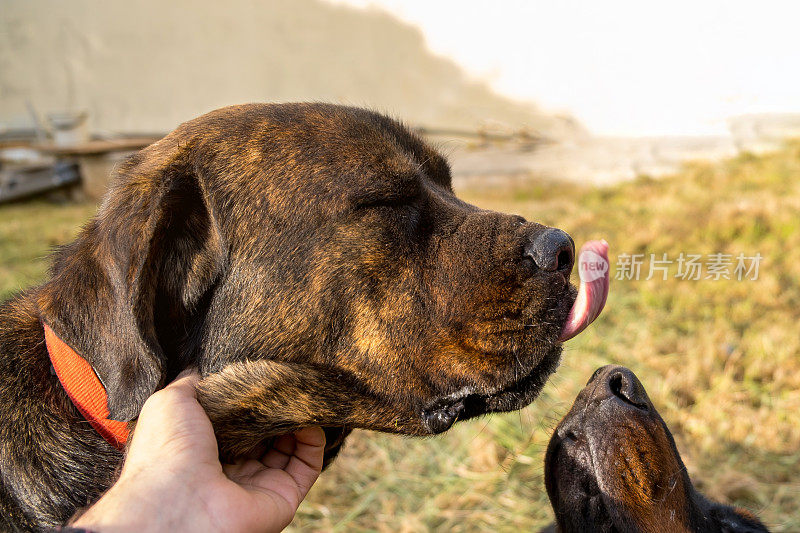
(623, 67)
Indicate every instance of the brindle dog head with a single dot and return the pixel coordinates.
(314, 234)
(612, 465)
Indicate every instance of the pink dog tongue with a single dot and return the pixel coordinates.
(593, 269)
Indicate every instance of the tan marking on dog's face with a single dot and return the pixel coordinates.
(641, 472)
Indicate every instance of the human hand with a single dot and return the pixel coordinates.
(172, 479)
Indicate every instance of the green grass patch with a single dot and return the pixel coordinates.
(28, 233)
(720, 359)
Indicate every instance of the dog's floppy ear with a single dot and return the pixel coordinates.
(120, 292)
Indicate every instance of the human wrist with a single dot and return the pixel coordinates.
(134, 504)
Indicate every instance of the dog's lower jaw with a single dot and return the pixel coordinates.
(249, 402)
(464, 404)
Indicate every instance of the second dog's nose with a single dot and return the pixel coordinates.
(552, 250)
(624, 385)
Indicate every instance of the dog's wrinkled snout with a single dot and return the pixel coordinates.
(622, 385)
(552, 250)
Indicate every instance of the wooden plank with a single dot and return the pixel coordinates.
(21, 182)
(96, 147)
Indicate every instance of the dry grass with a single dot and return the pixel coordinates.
(720, 359)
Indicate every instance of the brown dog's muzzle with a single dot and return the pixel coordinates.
(498, 324)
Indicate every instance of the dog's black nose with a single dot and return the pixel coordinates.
(624, 385)
(552, 250)
(620, 384)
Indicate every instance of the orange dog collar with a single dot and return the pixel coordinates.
(84, 389)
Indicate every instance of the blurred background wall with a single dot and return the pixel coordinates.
(147, 66)
(626, 89)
